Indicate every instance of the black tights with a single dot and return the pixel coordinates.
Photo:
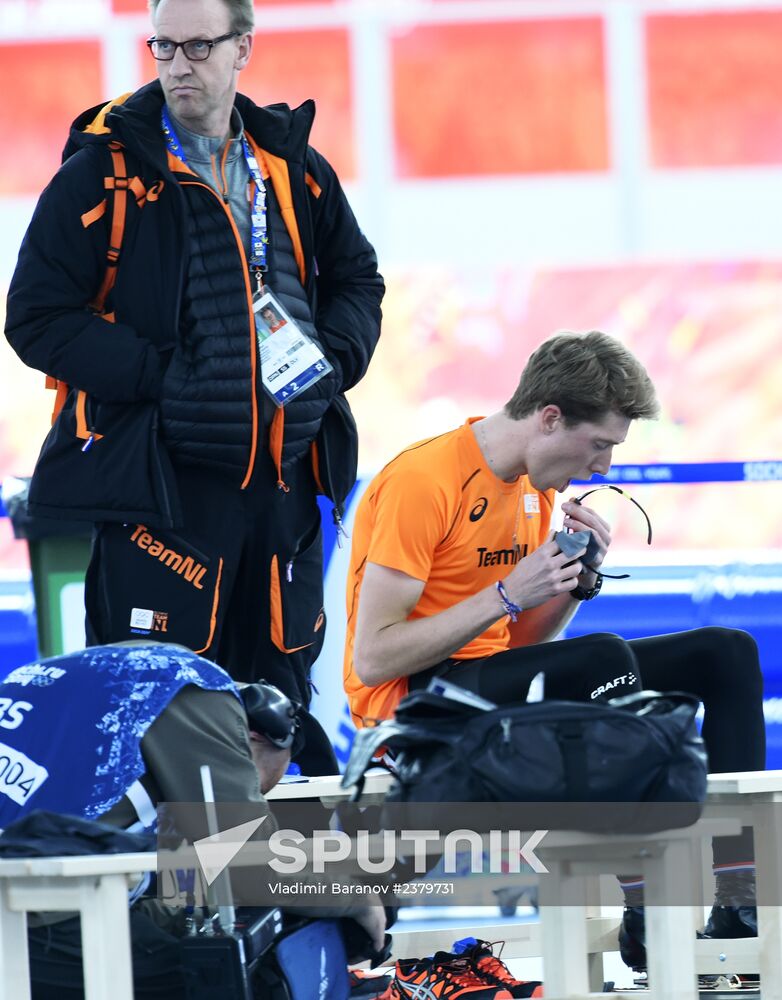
(718, 665)
(574, 669)
(721, 667)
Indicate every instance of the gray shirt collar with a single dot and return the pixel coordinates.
(201, 148)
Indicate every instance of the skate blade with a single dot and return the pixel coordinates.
(727, 986)
(709, 987)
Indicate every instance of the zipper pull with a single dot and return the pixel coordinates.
(336, 515)
(88, 443)
(505, 724)
(289, 571)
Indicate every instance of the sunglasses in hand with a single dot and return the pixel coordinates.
(565, 539)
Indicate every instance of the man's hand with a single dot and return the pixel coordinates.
(372, 918)
(543, 574)
(579, 518)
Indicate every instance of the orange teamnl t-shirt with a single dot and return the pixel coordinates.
(439, 514)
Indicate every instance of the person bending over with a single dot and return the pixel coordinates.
(141, 720)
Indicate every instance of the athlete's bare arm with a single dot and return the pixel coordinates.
(543, 623)
(387, 645)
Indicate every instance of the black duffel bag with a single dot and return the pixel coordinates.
(639, 749)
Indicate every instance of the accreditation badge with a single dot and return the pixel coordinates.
(290, 360)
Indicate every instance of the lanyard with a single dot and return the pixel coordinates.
(259, 240)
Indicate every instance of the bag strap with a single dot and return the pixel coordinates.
(394, 735)
(118, 185)
(365, 744)
(421, 717)
(647, 702)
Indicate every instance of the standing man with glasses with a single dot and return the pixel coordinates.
(194, 440)
(455, 573)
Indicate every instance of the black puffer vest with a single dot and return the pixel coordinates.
(206, 403)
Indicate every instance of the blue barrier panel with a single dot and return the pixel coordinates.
(692, 472)
(18, 642)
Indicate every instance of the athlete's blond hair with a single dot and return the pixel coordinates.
(588, 376)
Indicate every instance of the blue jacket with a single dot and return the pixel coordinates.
(71, 726)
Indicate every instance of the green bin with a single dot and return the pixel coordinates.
(59, 553)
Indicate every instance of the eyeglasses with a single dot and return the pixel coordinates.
(195, 49)
(616, 489)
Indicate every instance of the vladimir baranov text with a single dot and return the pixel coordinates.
(403, 889)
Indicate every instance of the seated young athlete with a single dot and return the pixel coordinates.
(455, 572)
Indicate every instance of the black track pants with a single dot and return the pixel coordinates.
(56, 961)
(239, 582)
(721, 667)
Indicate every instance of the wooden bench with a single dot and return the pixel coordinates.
(755, 799)
(571, 968)
(96, 887)
(569, 936)
(743, 799)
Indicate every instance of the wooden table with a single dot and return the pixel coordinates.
(328, 788)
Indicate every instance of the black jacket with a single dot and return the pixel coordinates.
(120, 365)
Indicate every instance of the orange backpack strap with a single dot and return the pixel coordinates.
(119, 184)
(61, 390)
